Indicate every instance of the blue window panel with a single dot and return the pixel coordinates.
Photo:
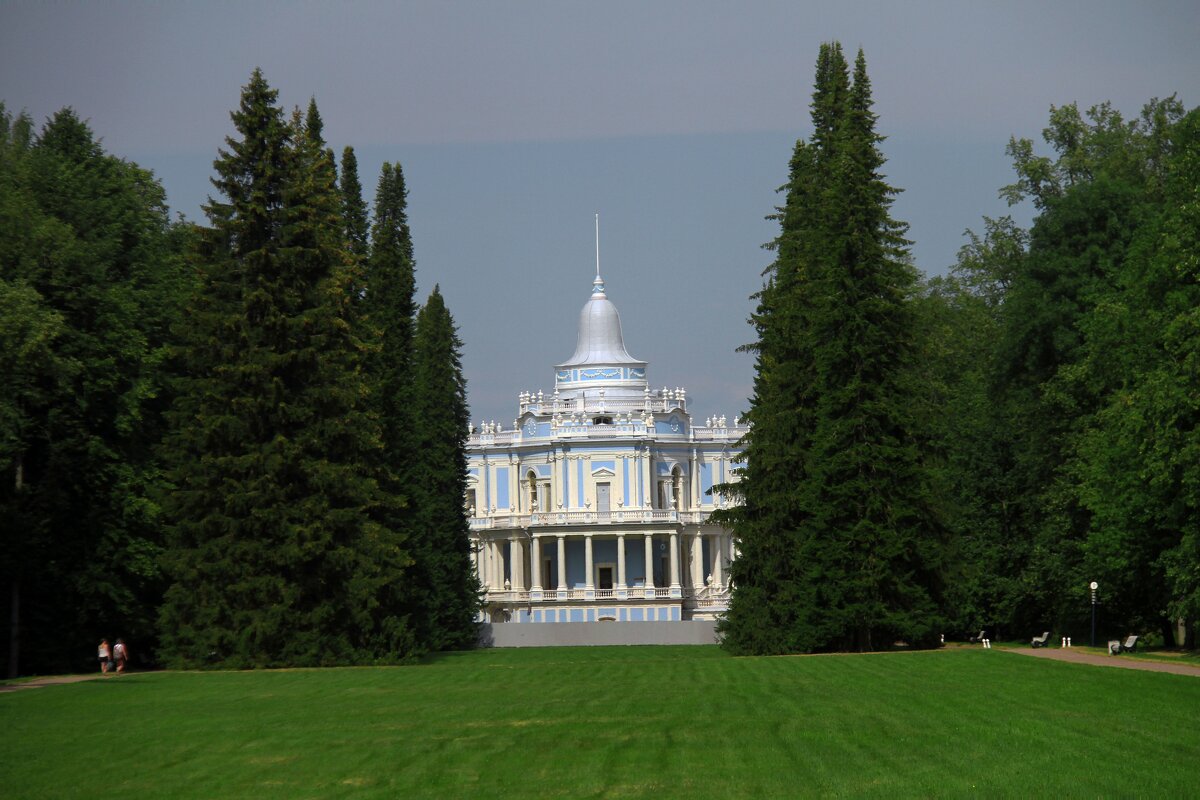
(637, 614)
(706, 483)
(635, 560)
(579, 485)
(606, 612)
(605, 550)
(576, 568)
(675, 615)
(502, 487)
(577, 615)
(566, 482)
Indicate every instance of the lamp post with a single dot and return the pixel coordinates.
(1094, 587)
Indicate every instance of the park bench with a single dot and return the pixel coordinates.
(976, 639)
(1116, 647)
(1040, 641)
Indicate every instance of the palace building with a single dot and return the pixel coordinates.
(595, 505)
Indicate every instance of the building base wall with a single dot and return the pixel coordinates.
(585, 634)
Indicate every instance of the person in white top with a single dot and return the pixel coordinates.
(121, 654)
(104, 656)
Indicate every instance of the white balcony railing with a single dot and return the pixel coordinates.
(707, 598)
(503, 519)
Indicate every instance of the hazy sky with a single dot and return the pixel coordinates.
(515, 122)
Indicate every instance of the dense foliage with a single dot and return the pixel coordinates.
(90, 282)
(1070, 385)
(195, 452)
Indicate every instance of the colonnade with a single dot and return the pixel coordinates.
(498, 572)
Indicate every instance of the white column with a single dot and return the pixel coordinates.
(588, 582)
(514, 485)
(694, 501)
(562, 564)
(500, 563)
(674, 560)
(492, 583)
(535, 565)
(697, 562)
(620, 561)
(516, 552)
(648, 487)
(649, 560)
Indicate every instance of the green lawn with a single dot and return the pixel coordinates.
(613, 722)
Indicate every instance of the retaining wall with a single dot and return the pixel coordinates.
(582, 634)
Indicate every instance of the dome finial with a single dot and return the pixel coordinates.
(598, 283)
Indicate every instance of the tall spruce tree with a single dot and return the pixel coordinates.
(391, 305)
(275, 544)
(354, 209)
(838, 548)
(447, 596)
(388, 310)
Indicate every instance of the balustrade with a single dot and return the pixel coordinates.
(704, 599)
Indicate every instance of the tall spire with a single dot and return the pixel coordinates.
(598, 283)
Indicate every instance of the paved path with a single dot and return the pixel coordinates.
(53, 680)
(1076, 657)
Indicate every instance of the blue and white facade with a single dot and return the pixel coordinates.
(595, 505)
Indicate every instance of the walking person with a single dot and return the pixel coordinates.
(121, 653)
(105, 657)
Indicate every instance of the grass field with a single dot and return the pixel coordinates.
(614, 722)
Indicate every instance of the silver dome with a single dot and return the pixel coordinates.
(600, 340)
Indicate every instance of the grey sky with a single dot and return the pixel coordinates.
(515, 122)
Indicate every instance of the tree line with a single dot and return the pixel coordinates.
(242, 443)
(238, 444)
(970, 452)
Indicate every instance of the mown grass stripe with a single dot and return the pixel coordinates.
(614, 722)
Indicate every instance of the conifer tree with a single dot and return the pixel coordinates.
(390, 303)
(354, 209)
(447, 596)
(837, 546)
(389, 309)
(277, 557)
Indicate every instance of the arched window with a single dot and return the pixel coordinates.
(531, 480)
